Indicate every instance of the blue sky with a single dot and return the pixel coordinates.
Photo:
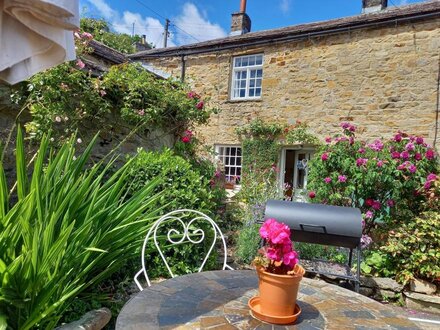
(199, 20)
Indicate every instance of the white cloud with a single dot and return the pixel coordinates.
(199, 27)
(285, 6)
(189, 20)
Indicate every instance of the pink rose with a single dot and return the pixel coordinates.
(369, 215)
(324, 156)
(395, 155)
(342, 178)
(80, 64)
(398, 138)
(409, 146)
(418, 156)
(419, 140)
(328, 139)
(186, 139)
(376, 205)
(200, 105)
(404, 155)
(429, 154)
(312, 194)
(327, 180)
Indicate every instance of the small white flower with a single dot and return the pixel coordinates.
(74, 157)
(58, 119)
(79, 140)
(52, 139)
(66, 118)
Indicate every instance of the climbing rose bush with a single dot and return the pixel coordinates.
(277, 255)
(386, 179)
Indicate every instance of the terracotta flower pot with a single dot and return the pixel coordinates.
(278, 292)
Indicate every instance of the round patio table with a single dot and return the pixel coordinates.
(218, 300)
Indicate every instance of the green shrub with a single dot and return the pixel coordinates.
(248, 243)
(414, 248)
(316, 251)
(68, 231)
(378, 263)
(183, 187)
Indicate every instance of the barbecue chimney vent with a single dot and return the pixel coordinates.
(241, 23)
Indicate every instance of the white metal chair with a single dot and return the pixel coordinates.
(187, 221)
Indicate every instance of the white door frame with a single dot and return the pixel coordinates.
(282, 164)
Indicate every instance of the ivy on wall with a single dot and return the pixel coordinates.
(261, 142)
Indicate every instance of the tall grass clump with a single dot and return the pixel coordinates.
(70, 228)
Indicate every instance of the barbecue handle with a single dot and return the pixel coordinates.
(323, 228)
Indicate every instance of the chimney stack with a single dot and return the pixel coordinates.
(241, 23)
(371, 6)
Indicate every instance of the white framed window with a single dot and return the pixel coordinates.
(247, 76)
(230, 157)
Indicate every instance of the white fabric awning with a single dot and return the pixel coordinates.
(35, 35)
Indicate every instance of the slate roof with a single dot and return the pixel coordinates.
(391, 16)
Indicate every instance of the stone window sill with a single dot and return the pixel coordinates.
(244, 100)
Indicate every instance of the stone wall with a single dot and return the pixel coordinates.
(382, 80)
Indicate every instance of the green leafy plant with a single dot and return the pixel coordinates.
(299, 133)
(377, 263)
(182, 185)
(100, 30)
(414, 248)
(68, 230)
(316, 251)
(248, 243)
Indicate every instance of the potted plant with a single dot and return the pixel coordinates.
(279, 275)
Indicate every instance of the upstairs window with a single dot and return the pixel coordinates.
(247, 75)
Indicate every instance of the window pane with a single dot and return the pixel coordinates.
(259, 60)
(251, 92)
(258, 92)
(242, 93)
(259, 73)
(252, 83)
(253, 72)
(237, 62)
(258, 83)
(251, 60)
(239, 161)
(244, 61)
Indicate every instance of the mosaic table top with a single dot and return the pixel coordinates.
(218, 300)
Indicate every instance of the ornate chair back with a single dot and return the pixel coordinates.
(187, 232)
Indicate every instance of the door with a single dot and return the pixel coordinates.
(295, 169)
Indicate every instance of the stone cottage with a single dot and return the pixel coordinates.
(378, 70)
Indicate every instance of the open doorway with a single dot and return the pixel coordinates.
(294, 169)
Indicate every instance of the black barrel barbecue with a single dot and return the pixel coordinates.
(322, 224)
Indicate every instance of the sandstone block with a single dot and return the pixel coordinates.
(428, 303)
(422, 286)
(93, 320)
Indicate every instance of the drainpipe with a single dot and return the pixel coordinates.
(182, 68)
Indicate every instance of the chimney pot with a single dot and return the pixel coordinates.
(243, 6)
(371, 6)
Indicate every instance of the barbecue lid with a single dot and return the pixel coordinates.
(316, 218)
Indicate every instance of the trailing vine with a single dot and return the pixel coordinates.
(68, 98)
